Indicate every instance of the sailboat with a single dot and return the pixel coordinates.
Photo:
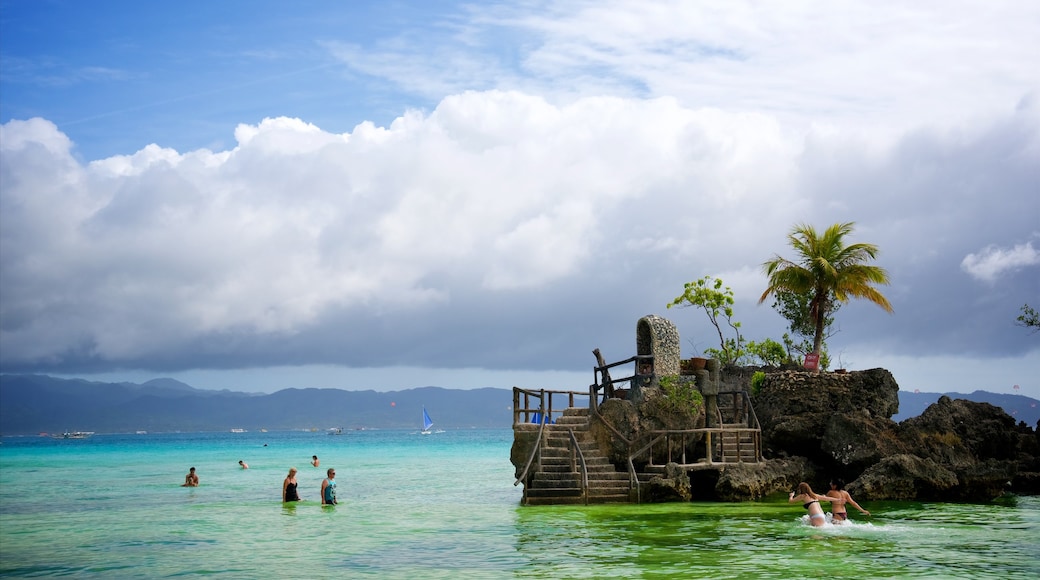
(426, 423)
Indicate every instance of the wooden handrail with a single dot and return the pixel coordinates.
(633, 477)
(656, 436)
(537, 448)
(576, 449)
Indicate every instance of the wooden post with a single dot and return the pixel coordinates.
(605, 381)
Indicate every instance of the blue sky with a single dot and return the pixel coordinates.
(257, 195)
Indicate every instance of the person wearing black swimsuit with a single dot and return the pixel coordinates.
(811, 502)
(289, 487)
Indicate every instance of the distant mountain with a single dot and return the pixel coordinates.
(1020, 407)
(30, 404)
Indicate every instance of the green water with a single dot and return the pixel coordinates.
(439, 506)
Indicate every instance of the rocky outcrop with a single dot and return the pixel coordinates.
(674, 485)
(756, 480)
(630, 420)
(957, 450)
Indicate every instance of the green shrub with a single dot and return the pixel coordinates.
(681, 396)
(756, 382)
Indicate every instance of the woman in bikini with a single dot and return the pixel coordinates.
(840, 498)
(811, 502)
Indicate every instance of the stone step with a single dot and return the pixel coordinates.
(564, 442)
(610, 498)
(589, 450)
(556, 456)
(543, 484)
(554, 492)
(614, 487)
(552, 500)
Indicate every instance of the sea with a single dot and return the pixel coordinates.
(438, 506)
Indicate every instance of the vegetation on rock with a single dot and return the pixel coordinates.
(826, 270)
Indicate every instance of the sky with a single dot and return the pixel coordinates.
(385, 195)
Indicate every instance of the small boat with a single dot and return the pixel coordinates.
(238, 430)
(335, 431)
(426, 422)
(74, 435)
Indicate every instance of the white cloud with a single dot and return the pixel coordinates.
(877, 66)
(992, 261)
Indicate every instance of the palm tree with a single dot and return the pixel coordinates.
(826, 267)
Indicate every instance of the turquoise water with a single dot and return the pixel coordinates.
(438, 506)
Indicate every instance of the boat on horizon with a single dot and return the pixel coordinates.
(74, 435)
(427, 423)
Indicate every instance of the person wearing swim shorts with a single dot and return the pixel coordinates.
(811, 502)
(840, 499)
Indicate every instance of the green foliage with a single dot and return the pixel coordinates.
(1029, 318)
(716, 301)
(796, 309)
(768, 352)
(681, 396)
(826, 269)
(756, 382)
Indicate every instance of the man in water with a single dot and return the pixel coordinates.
(243, 464)
(314, 461)
(191, 480)
(328, 488)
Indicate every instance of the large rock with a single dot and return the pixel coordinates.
(746, 481)
(833, 419)
(854, 441)
(674, 485)
(903, 477)
(961, 431)
(956, 450)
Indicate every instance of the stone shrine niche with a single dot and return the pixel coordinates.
(659, 337)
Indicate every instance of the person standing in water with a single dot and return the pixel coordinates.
(328, 488)
(841, 497)
(314, 461)
(811, 503)
(289, 492)
(191, 480)
(243, 464)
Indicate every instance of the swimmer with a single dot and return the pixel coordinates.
(314, 461)
(841, 497)
(191, 480)
(289, 492)
(811, 503)
(328, 488)
(243, 464)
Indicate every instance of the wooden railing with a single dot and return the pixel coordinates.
(603, 383)
(546, 404)
(576, 453)
(677, 443)
(535, 452)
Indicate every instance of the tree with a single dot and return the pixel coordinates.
(1029, 318)
(826, 268)
(709, 295)
(796, 309)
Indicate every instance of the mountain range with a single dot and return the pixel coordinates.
(31, 404)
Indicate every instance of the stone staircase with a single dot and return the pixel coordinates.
(558, 481)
